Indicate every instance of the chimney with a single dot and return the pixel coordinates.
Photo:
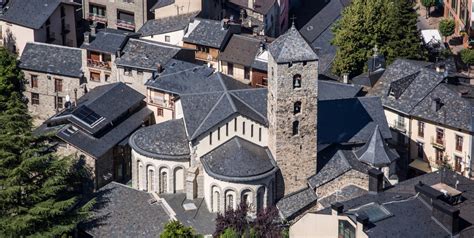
(362, 222)
(87, 38)
(447, 215)
(427, 193)
(250, 4)
(93, 29)
(436, 104)
(375, 181)
(337, 208)
(345, 78)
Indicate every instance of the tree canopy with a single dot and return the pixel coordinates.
(446, 27)
(388, 24)
(39, 192)
(175, 229)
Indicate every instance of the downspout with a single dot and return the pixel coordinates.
(409, 141)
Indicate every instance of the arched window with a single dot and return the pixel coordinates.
(297, 81)
(178, 179)
(151, 180)
(229, 202)
(297, 107)
(260, 198)
(215, 201)
(296, 128)
(163, 182)
(246, 197)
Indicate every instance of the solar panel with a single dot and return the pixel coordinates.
(86, 115)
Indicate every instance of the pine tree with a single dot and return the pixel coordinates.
(39, 193)
(388, 24)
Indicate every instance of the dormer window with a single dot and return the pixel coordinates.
(297, 107)
(297, 81)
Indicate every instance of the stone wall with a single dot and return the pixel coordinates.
(295, 154)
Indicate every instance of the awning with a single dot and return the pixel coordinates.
(421, 165)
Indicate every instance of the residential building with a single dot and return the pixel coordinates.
(432, 205)
(209, 9)
(208, 38)
(229, 143)
(240, 56)
(461, 12)
(140, 58)
(183, 76)
(168, 30)
(47, 21)
(265, 17)
(429, 113)
(96, 129)
(101, 49)
(127, 15)
(51, 82)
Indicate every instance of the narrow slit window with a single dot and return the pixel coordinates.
(243, 128)
(251, 130)
(218, 133)
(210, 138)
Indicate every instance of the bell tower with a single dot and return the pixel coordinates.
(292, 104)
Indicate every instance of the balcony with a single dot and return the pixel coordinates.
(437, 142)
(98, 64)
(97, 18)
(125, 24)
(128, 1)
(399, 125)
(161, 102)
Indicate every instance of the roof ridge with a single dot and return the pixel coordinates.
(112, 86)
(207, 116)
(251, 108)
(52, 45)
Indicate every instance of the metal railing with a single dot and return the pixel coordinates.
(438, 142)
(97, 18)
(125, 24)
(399, 125)
(98, 64)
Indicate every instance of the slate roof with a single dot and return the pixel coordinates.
(165, 140)
(111, 102)
(350, 120)
(167, 24)
(333, 162)
(201, 220)
(184, 78)
(344, 194)
(161, 3)
(241, 50)
(415, 85)
(108, 41)
(414, 215)
(329, 90)
(208, 33)
(60, 60)
(291, 47)
(30, 14)
(368, 80)
(376, 152)
(293, 204)
(121, 211)
(239, 160)
(260, 6)
(146, 55)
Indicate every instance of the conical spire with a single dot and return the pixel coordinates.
(376, 152)
(291, 47)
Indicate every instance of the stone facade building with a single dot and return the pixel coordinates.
(127, 15)
(50, 82)
(226, 142)
(24, 21)
(95, 131)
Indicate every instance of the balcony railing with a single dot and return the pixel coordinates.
(125, 24)
(160, 101)
(98, 64)
(399, 125)
(128, 1)
(438, 142)
(97, 18)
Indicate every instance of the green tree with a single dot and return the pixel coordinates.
(174, 229)
(446, 28)
(39, 193)
(428, 4)
(388, 24)
(467, 57)
(229, 233)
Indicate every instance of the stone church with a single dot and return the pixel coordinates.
(290, 145)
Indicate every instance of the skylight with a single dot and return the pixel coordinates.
(374, 211)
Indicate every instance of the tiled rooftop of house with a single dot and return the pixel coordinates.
(167, 24)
